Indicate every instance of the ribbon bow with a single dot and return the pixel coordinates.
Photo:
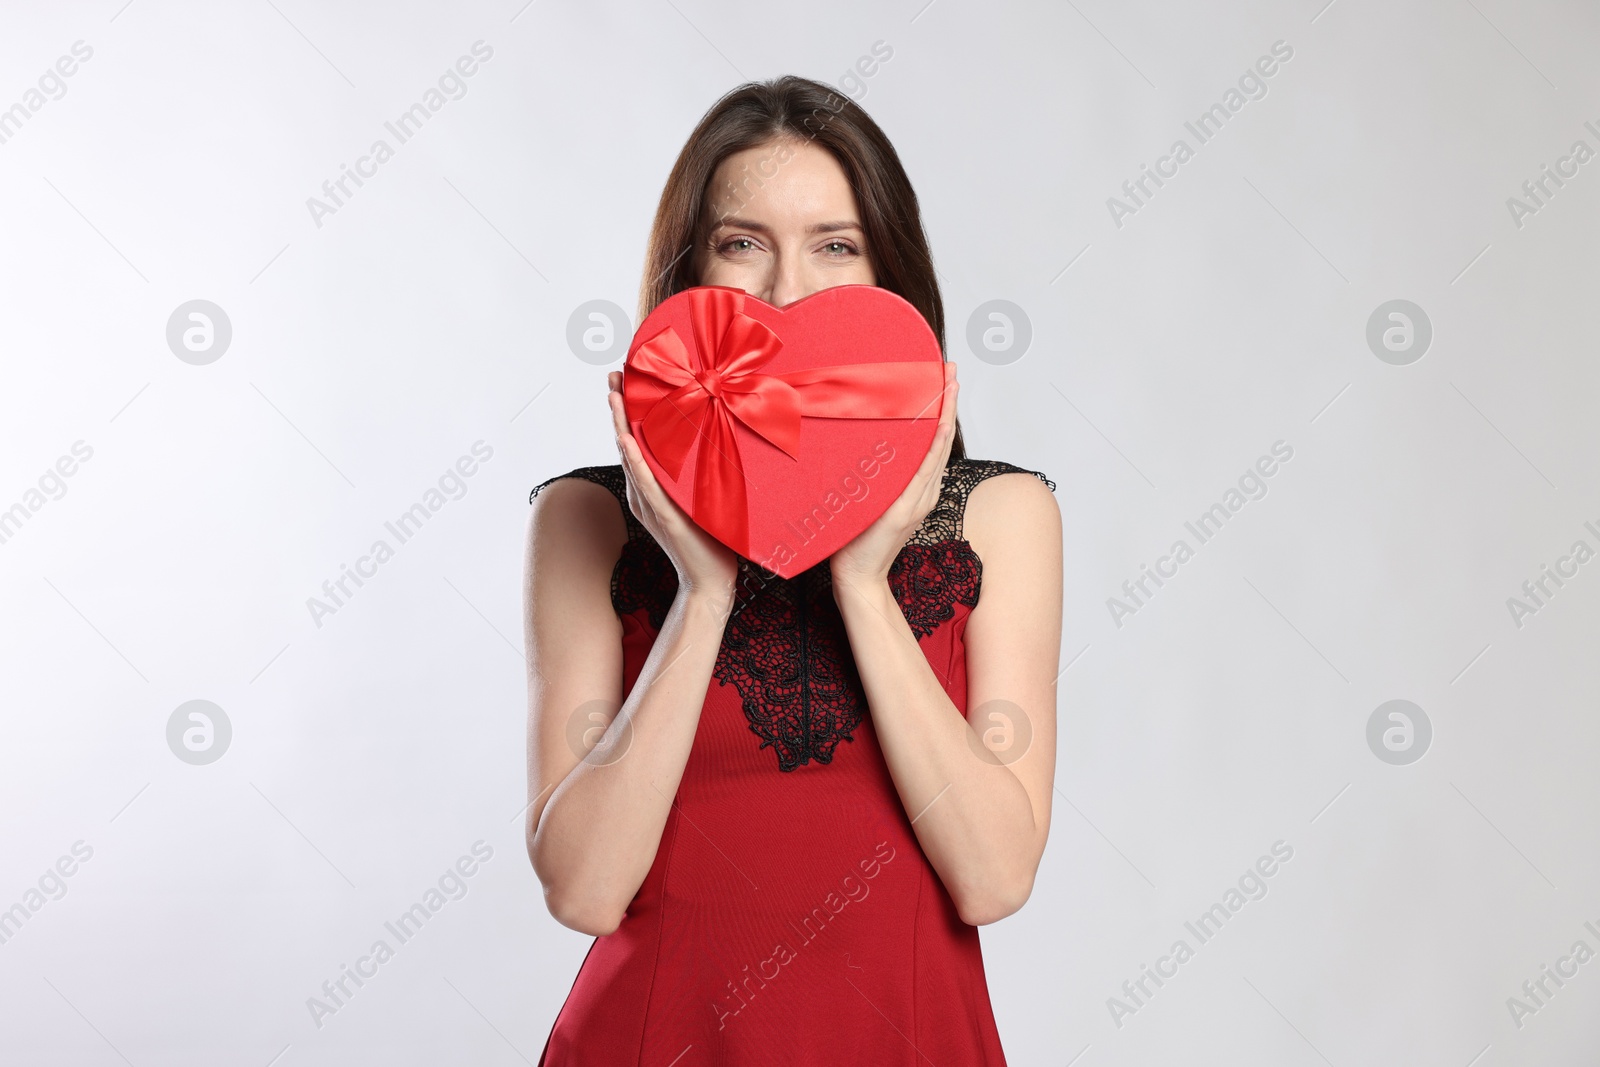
(683, 396)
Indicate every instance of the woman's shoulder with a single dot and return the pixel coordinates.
(609, 476)
(947, 520)
(962, 476)
(1019, 514)
(565, 506)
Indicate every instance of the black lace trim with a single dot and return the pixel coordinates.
(785, 647)
(928, 581)
(961, 477)
(787, 652)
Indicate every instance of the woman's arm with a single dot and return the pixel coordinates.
(600, 794)
(981, 811)
(981, 821)
(593, 838)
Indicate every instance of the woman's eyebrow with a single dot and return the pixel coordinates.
(761, 227)
(834, 227)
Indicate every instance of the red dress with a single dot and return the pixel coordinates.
(790, 916)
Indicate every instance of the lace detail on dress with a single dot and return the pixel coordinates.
(961, 477)
(937, 569)
(785, 648)
(786, 651)
(928, 581)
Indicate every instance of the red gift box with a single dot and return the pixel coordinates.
(784, 432)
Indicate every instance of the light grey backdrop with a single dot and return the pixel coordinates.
(1175, 339)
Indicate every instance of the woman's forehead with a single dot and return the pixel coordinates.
(756, 186)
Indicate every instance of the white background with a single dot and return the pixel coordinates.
(1168, 353)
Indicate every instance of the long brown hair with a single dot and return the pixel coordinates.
(791, 107)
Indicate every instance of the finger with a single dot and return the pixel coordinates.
(949, 425)
(915, 498)
(628, 491)
(653, 497)
(947, 419)
(619, 423)
(945, 435)
(613, 384)
(639, 469)
(636, 473)
(632, 460)
(932, 461)
(638, 477)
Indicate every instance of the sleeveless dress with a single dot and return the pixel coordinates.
(790, 916)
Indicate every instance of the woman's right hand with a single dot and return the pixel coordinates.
(704, 564)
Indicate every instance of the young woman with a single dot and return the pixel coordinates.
(782, 807)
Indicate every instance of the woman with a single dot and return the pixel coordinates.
(783, 806)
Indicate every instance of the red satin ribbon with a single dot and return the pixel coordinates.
(682, 395)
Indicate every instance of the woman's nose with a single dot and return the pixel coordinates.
(788, 287)
(786, 291)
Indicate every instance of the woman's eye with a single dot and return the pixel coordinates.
(738, 244)
(838, 248)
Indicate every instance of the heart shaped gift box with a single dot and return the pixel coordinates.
(784, 432)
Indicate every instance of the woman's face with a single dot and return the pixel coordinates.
(784, 224)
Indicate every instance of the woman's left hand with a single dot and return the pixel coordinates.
(868, 556)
